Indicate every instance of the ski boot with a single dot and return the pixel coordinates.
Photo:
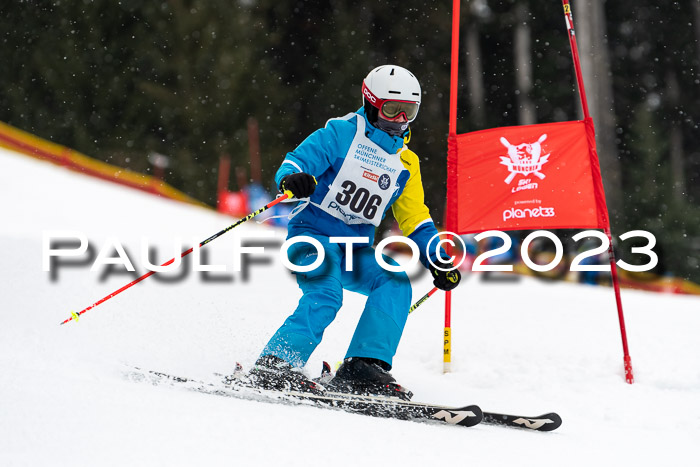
(366, 377)
(271, 372)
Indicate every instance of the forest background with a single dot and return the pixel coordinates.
(119, 80)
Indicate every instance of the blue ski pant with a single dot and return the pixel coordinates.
(382, 322)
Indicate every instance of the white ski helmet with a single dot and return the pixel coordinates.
(391, 90)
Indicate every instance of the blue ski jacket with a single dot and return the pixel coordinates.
(322, 154)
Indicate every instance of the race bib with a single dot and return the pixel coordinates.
(365, 183)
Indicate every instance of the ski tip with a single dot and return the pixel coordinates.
(478, 412)
(475, 417)
(554, 419)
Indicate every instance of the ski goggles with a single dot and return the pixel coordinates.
(390, 109)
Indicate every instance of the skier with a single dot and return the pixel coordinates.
(348, 174)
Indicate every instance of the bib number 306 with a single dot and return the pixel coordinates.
(359, 200)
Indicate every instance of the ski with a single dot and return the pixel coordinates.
(377, 406)
(546, 422)
(387, 407)
(384, 407)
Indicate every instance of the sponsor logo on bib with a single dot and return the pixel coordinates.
(370, 176)
(384, 182)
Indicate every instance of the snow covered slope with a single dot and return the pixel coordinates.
(528, 347)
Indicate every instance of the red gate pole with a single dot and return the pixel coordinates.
(598, 185)
(451, 150)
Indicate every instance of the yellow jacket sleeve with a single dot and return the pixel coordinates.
(409, 209)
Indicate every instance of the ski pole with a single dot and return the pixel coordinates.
(75, 316)
(422, 300)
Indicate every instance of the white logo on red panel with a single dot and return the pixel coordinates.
(524, 159)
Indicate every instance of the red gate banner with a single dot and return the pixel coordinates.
(543, 176)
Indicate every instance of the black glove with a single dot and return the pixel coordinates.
(445, 280)
(300, 185)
